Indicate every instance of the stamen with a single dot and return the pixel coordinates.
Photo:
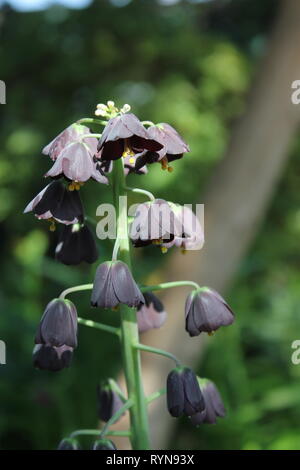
(128, 152)
(164, 163)
(77, 186)
(183, 251)
(52, 226)
(71, 186)
(211, 333)
(170, 169)
(164, 249)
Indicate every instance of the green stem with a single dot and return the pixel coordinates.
(141, 191)
(85, 136)
(167, 285)
(148, 123)
(160, 352)
(70, 290)
(115, 387)
(92, 121)
(119, 433)
(97, 432)
(116, 416)
(86, 432)
(156, 395)
(99, 326)
(129, 328)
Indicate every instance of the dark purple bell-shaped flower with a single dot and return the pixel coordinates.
(114, 285)
(68, 444)
(52, 358)
(55, 201)
(173, 146)
(206, 310)
(58, 325)
(214, 406)
(76, 244)
(152, 314)
(155, 222)
(104, 444)
(184, 395)
(108, 401)
(123, 136)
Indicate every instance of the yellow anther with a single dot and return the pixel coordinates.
(170, 169)
(77, 186)
(115, 309)
(183, 251)
(52, 227)
(128, 152)
(157, 241)
(164, 249)
(131, 160)
(164, 163)
(71, 187)
(211, 333)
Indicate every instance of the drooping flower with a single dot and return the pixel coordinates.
(58, 325)
(184, 396)
(154, 222)
(77, 164)
(192, 236)
(104, 444)
(55, 201)
(108, 401)
(123, 136)
(173, 146)
(214, 406)
(206, 310)
(52, 358)
(68, 444)
(114, 285)
(152, 314)
(71, 134)
(76, 244)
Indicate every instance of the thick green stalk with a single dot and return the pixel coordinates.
(129, 329)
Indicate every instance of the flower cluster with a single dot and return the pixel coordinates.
(126, 145)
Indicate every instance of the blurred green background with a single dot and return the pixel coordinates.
(189, 64)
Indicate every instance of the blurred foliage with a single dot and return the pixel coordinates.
(189, 64)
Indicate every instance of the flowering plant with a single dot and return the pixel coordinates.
(126, 145)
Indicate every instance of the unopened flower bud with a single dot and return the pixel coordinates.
(184, 396)
(126, 108)
(68, 444)
(109, 401)
(104, 444)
